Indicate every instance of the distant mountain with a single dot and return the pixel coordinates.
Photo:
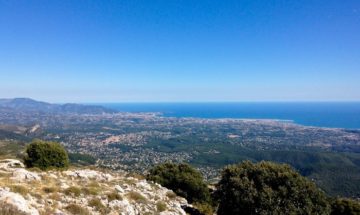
(30, 105)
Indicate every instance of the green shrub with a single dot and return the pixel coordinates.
(344, 206)
(184, 180)
(268, 188)
(46, 155)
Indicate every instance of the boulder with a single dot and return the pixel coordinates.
(89, 174)
(24, 175)
(10, 164)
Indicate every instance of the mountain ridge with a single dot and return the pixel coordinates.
(31, 105)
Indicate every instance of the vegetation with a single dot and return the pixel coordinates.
(81, 159)
(76, 209)
(182, 179)
(11, 149)
(97, 204)
(345, 206)
(75, 191)
(136, 197)
(113, 196)
(19, 189)
(160, 206)
(8, 209)
(46, 155)
(268, 188)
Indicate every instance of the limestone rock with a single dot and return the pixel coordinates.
(17, 201)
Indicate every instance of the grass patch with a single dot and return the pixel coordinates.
(113, 196)
(92, 188)
(19, 189)
(97, 204)
(7, 209)
(49, 189)
(74, 191)
(170, 194)
(77, 210)
(55, 196)
(136, 197)
(161, 206)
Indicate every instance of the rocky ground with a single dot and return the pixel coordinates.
(81, 191)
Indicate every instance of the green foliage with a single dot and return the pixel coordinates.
(344, 206)
(82, 159)
(46, 155)
(182, 179)
(268, 188)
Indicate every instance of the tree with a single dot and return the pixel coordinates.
(268, 188)
(344, 206)
(46, 155)
(184, 180)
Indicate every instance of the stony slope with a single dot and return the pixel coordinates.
(81, 191)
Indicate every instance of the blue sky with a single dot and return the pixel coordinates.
(180, 50)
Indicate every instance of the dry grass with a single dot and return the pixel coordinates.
(93, 188)
(161, 206)
(73, 190)
(22, 190)
(6, 209)
(77, 210)
(136, 197)
(170, 194)
(113, 196)
(97, 204)
(50, 189)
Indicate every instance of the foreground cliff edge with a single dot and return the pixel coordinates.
(81, 191)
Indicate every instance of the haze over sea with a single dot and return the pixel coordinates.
(321, 114)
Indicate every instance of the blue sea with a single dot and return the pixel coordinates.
(321, 114)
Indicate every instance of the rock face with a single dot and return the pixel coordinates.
(82, 191)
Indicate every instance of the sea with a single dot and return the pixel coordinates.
(320, 114)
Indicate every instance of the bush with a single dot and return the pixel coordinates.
(46, 155)
(268, 188)
(344, 206)
(184, 180)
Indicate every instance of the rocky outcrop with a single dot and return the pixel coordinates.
(83, 191)
(16, 201)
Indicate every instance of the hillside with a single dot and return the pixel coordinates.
(25, 105)
(81, 191)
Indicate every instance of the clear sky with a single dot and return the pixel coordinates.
(180, 50)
